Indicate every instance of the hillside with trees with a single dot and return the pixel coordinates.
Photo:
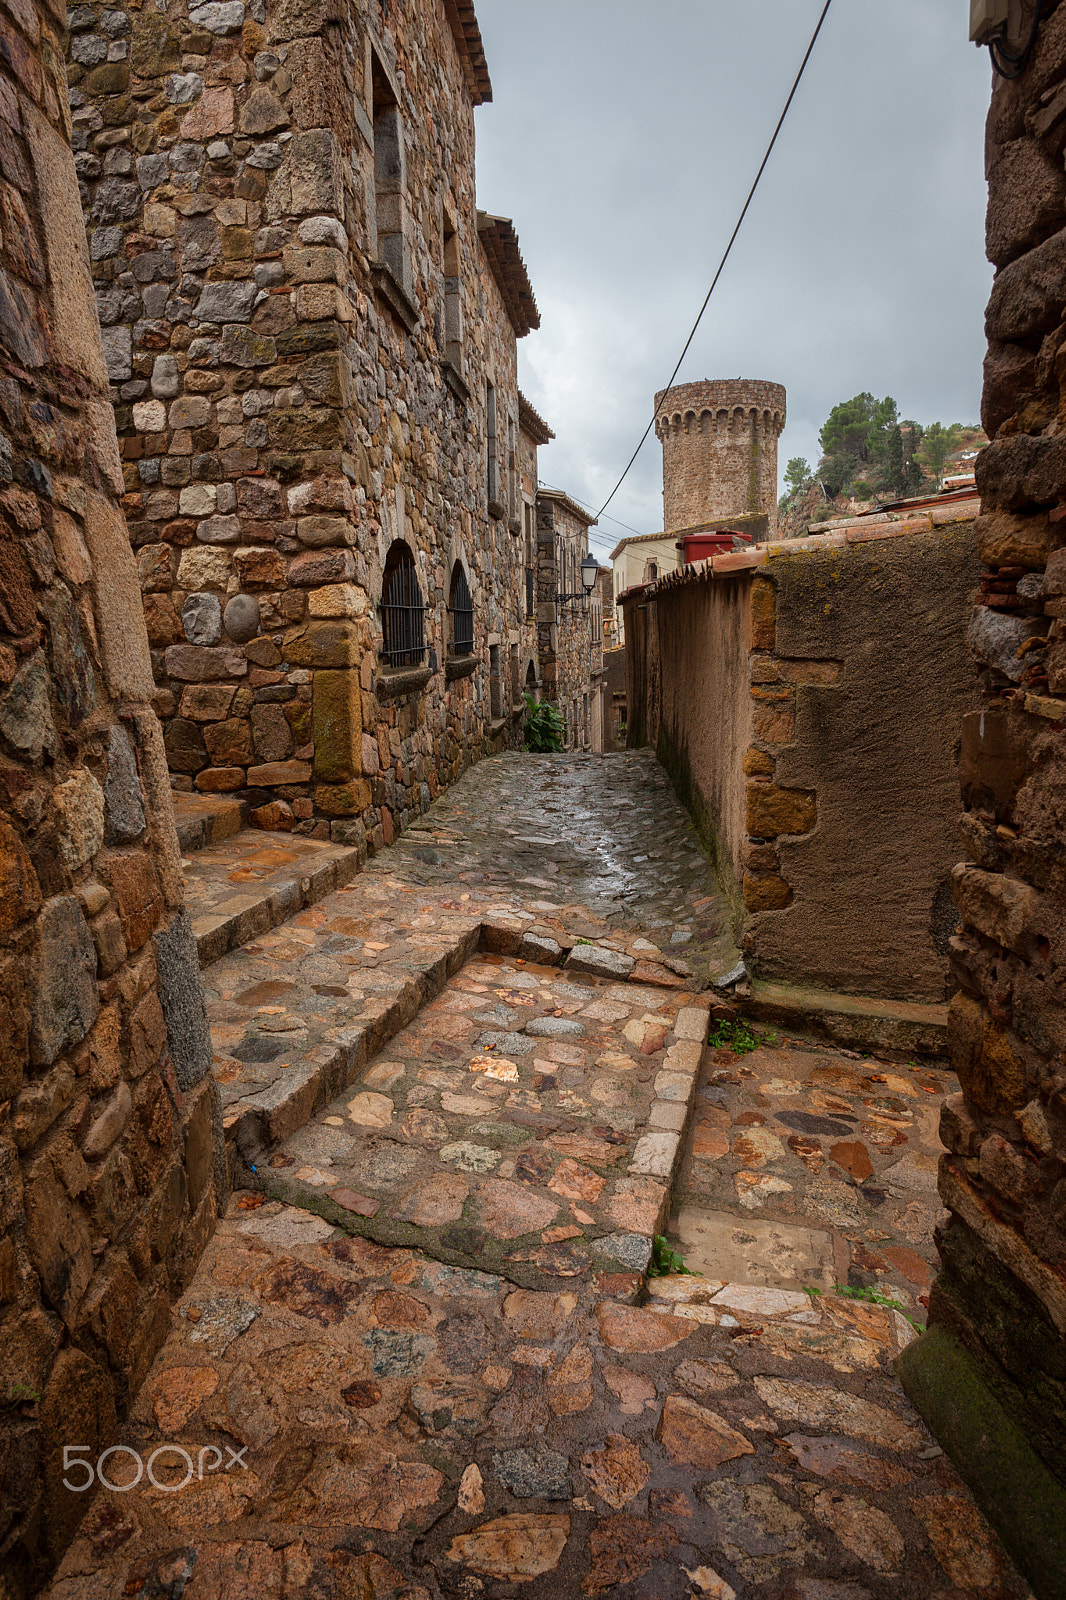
(870, 456)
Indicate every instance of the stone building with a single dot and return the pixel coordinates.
(569, 622)
(110, 1166)
(719, 440)
(991, 1377)
(311, 337)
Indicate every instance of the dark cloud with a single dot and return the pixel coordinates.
(623, 139)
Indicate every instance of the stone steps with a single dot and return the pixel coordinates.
(204, 819)
(248, 882)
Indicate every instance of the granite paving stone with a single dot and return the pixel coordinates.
(372, 1422)
(420, 1357)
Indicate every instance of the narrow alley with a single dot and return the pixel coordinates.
(464, 1091)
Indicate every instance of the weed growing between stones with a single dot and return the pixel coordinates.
(665, 1261)
(544, 729)
(738, 1037)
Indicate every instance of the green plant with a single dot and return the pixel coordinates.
(735, 1036)
(544, 727)
(20, 1395)
(874, 1297)
(665, 1261)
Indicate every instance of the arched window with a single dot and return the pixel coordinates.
(402, 611)
(531, 682)
(461, 609)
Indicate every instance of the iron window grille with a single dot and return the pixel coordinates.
(403, 615)
(461, 608)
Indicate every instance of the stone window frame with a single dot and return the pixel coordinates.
(460, 646)
(492, 474)
(391, 270)
(402, 610)
(451, 265)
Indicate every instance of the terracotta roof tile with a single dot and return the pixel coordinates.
(464, 25)
(500, 244)
(532, 421)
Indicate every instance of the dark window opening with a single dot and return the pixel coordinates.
(390, 181)
(491, 480)
(461, 610)
(403, 615)
(453, 305)
(495, 686)
(531, 682)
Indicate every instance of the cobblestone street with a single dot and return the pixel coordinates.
(463, 1089)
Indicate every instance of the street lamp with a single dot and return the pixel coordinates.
(590, 571)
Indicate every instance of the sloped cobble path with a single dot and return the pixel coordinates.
(420, 1359)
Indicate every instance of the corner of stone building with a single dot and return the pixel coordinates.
(1001, 1290)
(298, 392)
(109, 1122)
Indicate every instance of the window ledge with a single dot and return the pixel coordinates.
(392, 682)
(515, 526)
(498, 726)
(460, 667)
(389, 288)
(455, 381)
(497, 509)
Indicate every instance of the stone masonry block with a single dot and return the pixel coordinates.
(343, 799)
(1001, 908)
(773, 811)
(989, 1067)
(66, 1000)
(182, 996)
(321, 645)
(117, 601)
(337, 723)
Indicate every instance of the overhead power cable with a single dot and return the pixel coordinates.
(725, 258)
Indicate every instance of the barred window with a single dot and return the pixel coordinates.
(461, 608)
(402, 610)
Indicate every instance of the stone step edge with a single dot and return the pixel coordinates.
(247, 916)
(256, 1125)
(205, 822)
(854, 1021)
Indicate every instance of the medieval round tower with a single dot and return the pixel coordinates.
(719, 440)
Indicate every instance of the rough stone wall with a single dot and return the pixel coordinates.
(300, 329)
(818, 774)
(719, 442)
(109, 1178)
(570, 651)
(1002, 1284)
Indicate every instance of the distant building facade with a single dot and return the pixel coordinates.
(569, 623)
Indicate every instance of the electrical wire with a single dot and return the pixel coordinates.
(1017, 60)
(728, 249)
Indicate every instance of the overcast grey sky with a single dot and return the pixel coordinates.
(623, 138)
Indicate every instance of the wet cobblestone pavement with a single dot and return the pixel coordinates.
(813, 1166)
(527, 1120)
(420, 1359)
(409, 1429)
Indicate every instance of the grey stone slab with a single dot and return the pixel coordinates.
(182, 996)
(67, 1001)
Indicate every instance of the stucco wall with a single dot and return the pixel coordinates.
(694, 646)
(875, 673)
(806, 699)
